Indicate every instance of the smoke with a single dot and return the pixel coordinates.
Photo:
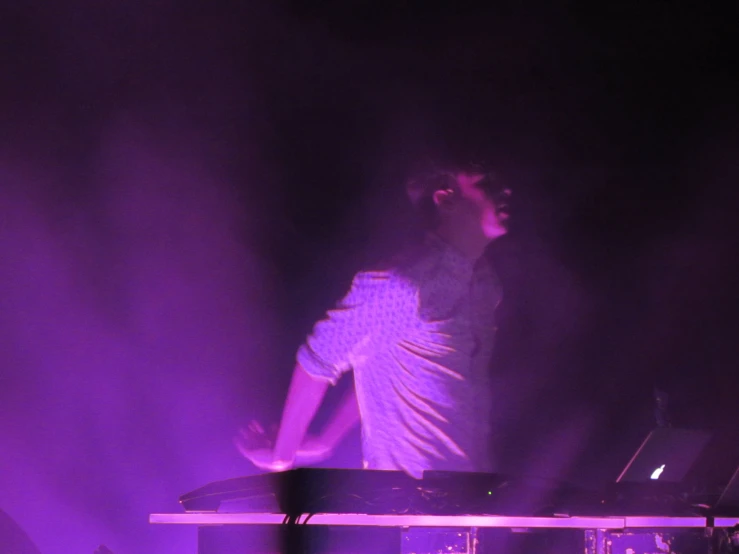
(133, 311)
(144, 225)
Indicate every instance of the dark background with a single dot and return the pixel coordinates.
(185, 188)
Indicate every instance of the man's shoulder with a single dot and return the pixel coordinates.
(404, 271)
(406, 265)
(390, 280)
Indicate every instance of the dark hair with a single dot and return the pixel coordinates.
(422, 185)
(420, 190)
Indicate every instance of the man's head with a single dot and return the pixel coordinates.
(468, 203)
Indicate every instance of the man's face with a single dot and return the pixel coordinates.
(482, 206)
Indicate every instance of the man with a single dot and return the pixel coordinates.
(419, 338)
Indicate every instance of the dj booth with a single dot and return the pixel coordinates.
(332, 511)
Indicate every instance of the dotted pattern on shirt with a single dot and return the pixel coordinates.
(419, 338)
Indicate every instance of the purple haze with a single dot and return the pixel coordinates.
(130, 316)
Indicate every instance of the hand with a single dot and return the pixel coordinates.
(314, 450)
(254, 436)
(257, 446)
(263, 458)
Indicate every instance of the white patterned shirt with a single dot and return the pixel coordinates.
(419, 338)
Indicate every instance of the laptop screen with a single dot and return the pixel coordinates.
(667, 454)
(730, 497)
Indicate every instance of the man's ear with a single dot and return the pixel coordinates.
(443, 198)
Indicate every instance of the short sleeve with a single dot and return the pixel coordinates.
(368, 318)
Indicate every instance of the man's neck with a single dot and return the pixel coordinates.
(470, 249)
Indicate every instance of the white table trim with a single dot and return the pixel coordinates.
(396, 520)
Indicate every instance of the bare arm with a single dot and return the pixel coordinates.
(345, 417)
(303, 399)
(329, 351)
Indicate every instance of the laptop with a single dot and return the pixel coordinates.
(666, 455)
(728, 502)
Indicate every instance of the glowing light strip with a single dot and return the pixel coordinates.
(632, 522)
(726, 521)
(466, 521)
(218, 519)
(616, 522)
